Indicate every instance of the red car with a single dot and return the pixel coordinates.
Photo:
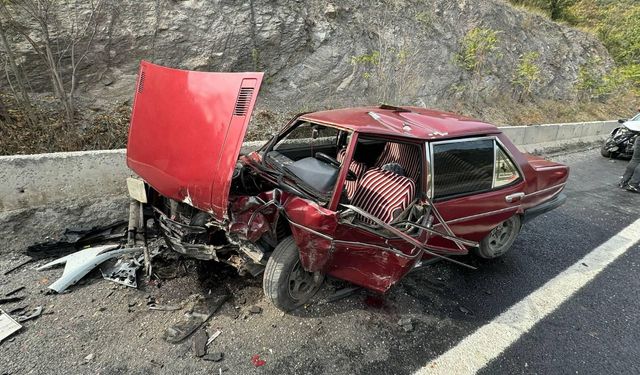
(360, 194)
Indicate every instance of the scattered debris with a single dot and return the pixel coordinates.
(74, 240)
(164, 307)
(257, 361)
(30, 315)
(242, 300)
(203, 309)
(78, 264)
(89, 357)
(406, 324)
(16, 290)
(255, 309)
(123, 271)
(199, 343)
(213, 337)
(215, 356)
(18, 266)
(4, 300)
(8, 326)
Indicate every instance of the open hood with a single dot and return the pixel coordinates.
(186, 132)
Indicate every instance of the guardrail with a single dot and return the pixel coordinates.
(29, 181)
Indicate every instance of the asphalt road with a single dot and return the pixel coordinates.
(595, 331)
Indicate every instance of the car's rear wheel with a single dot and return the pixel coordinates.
(500, 239)
(286, 283)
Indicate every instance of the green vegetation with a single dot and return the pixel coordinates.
(477, 46)
(617, 25)
(556, 9)
(527, 75)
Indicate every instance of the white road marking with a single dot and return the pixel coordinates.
(489, 341)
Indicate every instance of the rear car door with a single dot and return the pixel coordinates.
(475, 185)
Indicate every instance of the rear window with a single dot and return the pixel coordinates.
(462, 167)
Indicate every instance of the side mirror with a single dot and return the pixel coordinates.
(621, 121)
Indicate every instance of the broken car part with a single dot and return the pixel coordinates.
(122, 272)
(74, 240)
(30, 315)
(14, 291)
(4, 300)
(17, 266)
(203, 309)
(78, 264)
(8, 326)
(213, 337)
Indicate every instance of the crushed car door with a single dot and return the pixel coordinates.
(186, 132)
(378, 258)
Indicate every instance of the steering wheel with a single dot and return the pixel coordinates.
(351, 176)
(326, 158)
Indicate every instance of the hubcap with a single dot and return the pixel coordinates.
(500, 237)
(303, 284)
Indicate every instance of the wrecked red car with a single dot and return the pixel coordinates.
(359, 194)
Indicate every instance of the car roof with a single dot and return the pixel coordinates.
(411, 122)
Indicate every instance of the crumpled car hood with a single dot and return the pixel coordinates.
(186, 132)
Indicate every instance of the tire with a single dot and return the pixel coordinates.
(603, 150)
(286, 284)
(500, 239)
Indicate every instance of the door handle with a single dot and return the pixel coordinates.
(514, 197)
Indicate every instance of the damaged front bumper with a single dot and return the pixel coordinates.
(181, 237)
(195, 241)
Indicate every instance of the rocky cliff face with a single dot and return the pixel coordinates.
(318, 54)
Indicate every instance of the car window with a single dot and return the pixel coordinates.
(462, 167)
(505, 171)
(307, 134)
(466, 167)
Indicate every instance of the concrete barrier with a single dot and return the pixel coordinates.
(28, 181)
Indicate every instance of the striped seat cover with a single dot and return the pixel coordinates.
(408, 156)
(383, 194)
(356, 167)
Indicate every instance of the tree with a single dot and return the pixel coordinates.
(62, 44)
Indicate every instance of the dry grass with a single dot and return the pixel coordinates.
(51, 133)
(108, 130)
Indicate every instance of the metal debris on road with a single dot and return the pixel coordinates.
(17, 266)
(30, 315)
(4, 300)
(8, 326)
(74, 240)
(78, 264)
(199, 343)
(16, 290)
(213, 337)
(203, 309)
(164, 307)
(123, 271)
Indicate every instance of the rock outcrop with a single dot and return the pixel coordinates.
(318, 54)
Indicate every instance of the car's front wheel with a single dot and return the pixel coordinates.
(604, 150)
(500, 239)
(285, 282)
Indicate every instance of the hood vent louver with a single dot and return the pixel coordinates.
(243, 101)
(141, 82)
